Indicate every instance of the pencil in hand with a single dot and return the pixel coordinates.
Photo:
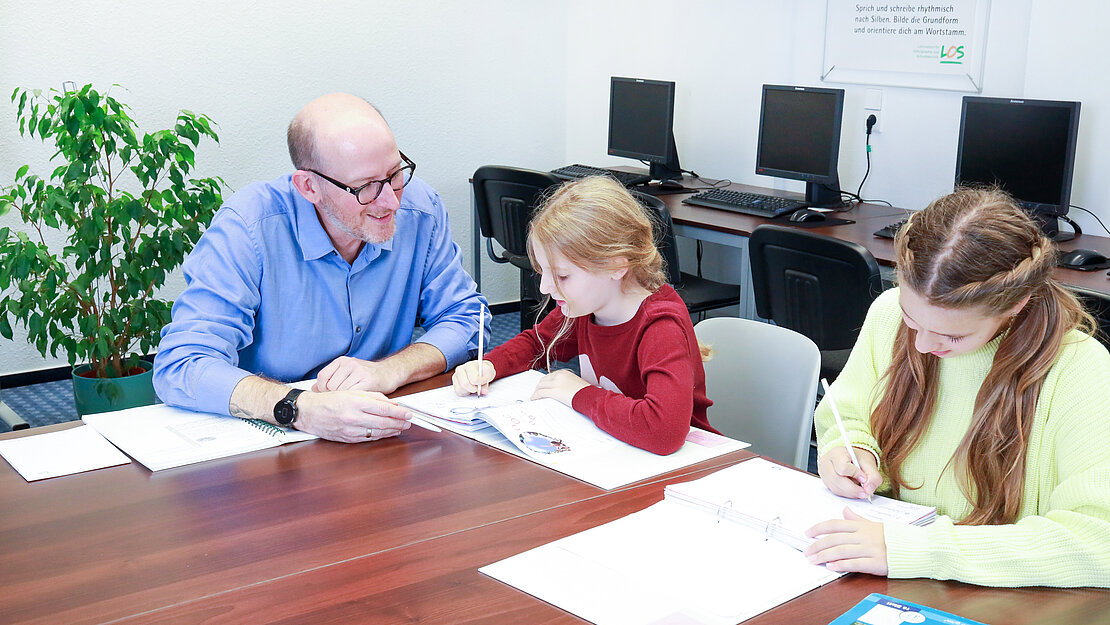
(844, 436)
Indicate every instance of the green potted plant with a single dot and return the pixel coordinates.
(102, 231)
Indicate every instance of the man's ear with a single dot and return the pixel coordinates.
(307, 185)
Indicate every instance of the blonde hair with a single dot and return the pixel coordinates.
(975, 248)
(593, 222)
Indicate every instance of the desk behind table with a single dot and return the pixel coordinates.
(733, 229)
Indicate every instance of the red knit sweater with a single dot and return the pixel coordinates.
(648, 384)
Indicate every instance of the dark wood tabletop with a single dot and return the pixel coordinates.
(123, 541)
(387, 532)
(437, 582)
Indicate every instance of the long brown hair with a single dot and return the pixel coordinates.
(592, 222)
(975, 248)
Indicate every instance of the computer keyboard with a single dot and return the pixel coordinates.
(574, 172)
(747, 203)
(888, 231)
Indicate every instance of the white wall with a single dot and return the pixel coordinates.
(463, 84)
(526, 83)
(721, 53)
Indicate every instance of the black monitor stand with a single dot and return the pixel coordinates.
(1050, 225)
(669, 170)
(820, 195)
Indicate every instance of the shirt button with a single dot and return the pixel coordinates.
(358, 328)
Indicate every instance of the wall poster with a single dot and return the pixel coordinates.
(937, 44)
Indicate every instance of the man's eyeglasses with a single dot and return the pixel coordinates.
(367, 193)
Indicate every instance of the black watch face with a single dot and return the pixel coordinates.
(285, 412)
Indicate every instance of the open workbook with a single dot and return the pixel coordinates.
(554, 435)
(161, 437)
(716, 551)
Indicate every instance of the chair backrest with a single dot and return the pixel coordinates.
(505, 198)
(1098, 304)
(812, 283)
(763, 382)
(664, 234)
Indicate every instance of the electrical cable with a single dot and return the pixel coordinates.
(711, 185)
(871, 121)
(1091, 213)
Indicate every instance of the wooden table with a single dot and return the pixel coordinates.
(385, 532)
(124, 542)
(437, 582)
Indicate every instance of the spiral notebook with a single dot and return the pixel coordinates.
(161, 437)
(716, 551)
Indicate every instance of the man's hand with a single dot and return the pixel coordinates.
(350, 416)
(560, 385)
(346, 373)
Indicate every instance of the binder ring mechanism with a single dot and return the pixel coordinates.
(769, 529)
(721, 510)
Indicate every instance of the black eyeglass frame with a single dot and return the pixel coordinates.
(409, 165)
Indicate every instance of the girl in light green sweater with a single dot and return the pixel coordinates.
(977, 388)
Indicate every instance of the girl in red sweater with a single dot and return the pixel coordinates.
(642, 377)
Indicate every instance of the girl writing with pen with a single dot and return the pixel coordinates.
(642, 378)
(975, 387)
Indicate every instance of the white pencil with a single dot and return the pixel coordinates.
(481, 342)
(415, 420)
(843, 432)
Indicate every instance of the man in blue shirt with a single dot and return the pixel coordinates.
(324, 273)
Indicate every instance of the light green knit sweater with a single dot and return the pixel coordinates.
(1062, 537)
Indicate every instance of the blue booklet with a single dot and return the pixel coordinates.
(878, 609)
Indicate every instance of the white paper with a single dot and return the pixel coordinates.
(668, 563)
(59, 453)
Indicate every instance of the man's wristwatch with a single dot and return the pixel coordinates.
(285, 411)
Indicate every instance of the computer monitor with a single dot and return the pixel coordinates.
(641, 113)
(799, 138)
(1027, 147)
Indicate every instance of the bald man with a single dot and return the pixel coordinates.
(322, 273)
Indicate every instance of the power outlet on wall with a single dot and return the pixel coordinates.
(872, 105)
(867, 117)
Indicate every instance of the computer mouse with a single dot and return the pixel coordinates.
(805, 215)
(1083, 259)
(670, 184)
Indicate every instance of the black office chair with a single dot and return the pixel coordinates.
(505, 198)
(699, 294)
(1098, 304)
(815, 285)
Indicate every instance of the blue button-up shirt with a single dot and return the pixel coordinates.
(267, 293)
